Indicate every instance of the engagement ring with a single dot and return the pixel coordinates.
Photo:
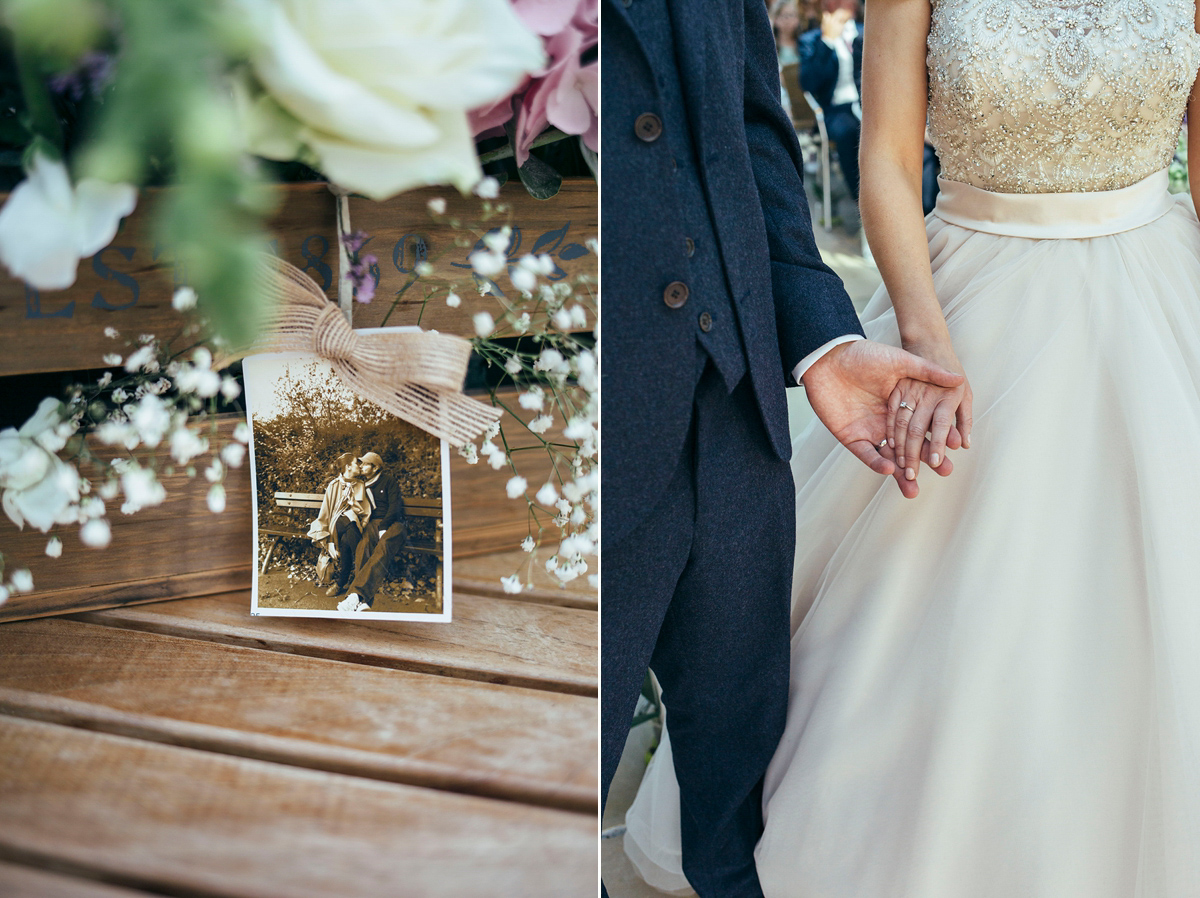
(904, 404)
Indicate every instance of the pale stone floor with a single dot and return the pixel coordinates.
(842, 252)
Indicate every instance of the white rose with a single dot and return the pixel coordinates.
(48, 225)
(376, 92)
(22, 462)
(52, 500)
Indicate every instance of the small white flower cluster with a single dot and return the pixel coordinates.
(556, 375)
(21, 581)
(151, 406)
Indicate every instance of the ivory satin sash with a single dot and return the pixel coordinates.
(1043, 216)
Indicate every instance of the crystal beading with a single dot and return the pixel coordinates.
(1058, 96)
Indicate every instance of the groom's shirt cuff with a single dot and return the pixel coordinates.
(813, 357)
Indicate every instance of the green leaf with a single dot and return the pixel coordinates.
(541, 180)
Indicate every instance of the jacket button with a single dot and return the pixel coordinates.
(706, 322)
(648, 127)
(676, 294)
(689, 246)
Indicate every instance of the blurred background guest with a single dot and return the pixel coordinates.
(831, 70)
(785, 20)
(810, 14)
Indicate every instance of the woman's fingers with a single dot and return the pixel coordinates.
(939, 429)
(918, 426)
(893, 406)
(945, 469)
(964, 418)
(905, 408)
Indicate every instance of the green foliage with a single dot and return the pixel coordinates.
(165, 117)
(1178, 171)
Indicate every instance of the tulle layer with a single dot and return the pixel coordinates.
(996, 686)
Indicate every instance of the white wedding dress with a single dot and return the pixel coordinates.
(996, 686)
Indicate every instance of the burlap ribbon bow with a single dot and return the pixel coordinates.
(417, 376)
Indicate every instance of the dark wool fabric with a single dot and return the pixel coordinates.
(785, 300)
(698, 523)
(701, 593)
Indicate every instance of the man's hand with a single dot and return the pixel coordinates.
(849, 388)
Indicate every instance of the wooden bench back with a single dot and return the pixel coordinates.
(422, 508)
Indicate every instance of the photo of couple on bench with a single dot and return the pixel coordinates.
(360, 527)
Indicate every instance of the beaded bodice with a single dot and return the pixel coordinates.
(1058, 96)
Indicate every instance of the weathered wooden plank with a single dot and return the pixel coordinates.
(403, 233)
(481, 575)
(129, 284)
(490, 639)
(26, 882)
(448, 733)
(186, 822)
(178, 548)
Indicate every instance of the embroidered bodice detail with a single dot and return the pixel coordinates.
(1059, 96)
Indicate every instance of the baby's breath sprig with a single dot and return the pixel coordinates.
(535, 339)
(155, 408)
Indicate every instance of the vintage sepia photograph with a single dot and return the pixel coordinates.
(349, 512)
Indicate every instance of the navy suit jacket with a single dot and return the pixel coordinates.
(787, 301)
(819, 66)
(389, 504)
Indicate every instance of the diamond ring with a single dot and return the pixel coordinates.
(904, 404)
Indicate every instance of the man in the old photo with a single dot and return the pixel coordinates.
(383, 537)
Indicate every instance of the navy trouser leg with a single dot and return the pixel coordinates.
(721, 652)
(373, 560)
(640, 575)
(845, 129)
(348, 535)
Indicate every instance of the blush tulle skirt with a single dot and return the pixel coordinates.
(995, 687)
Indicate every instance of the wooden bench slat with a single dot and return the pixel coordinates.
(318, 497)
(27, 882)
(418, 508)
(490, 639)
(298, 503)
(463, 735)
(181, 821)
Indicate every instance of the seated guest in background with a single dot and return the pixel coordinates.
(831, 70)
(785, 20)
(810, 14)
(340, 521)
(931, 169)
(383, 538)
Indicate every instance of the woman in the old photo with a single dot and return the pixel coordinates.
(339, 522)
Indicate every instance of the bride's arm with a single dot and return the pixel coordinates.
(895, 90)
(1193, 134)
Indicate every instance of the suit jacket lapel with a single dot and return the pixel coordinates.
(690, 22)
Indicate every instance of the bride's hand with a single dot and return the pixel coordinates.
(917, 408)
(849, 388)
